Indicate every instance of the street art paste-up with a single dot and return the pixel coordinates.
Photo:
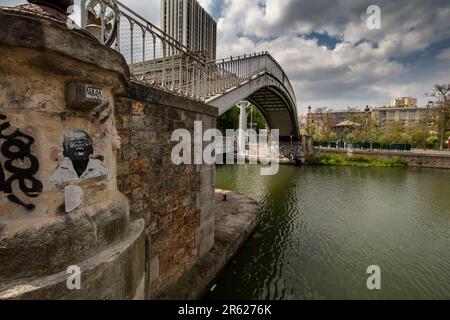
(78, 149)
(20, 163)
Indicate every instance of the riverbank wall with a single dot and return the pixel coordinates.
(175, 201)
(237, 216)
(419, 160)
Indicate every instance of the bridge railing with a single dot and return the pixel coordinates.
(247, 66)
(159, 60)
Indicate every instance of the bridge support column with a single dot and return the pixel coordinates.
(243, 105)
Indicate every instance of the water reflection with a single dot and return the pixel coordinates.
(323, 226)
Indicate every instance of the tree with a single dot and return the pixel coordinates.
(365, 126)
(229, 120)
(418, 136)
(255, 115)
(442, 106)
(322, 128)
(423, 129)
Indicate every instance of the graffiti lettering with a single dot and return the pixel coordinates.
(15, 148)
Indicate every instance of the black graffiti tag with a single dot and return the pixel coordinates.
(16, 146)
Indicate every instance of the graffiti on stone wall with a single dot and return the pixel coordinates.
(291, 151)
(20, 164)
(78, 149)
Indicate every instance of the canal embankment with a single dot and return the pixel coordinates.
(237, 216)
(423, 159)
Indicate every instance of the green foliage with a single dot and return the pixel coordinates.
(418, 136)
(369, 128)
(230, 120)
(332, 159)
(433, 142)
(326, 135)
(255, 115)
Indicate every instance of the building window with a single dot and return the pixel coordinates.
(403, 115)
(391, 115)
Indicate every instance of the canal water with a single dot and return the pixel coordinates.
(322, 227)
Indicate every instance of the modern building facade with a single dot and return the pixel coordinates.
(331, 118)
(382, 116)
(187, 22)
(404, 102)
(408, 115)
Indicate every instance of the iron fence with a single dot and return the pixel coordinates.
(159, 60)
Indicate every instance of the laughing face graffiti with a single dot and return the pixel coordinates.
(78, 148)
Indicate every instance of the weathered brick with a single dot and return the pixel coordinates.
(140, 166)
(137, 108)
(122, 106)
(129, 152)
(124, 136)
(175, 201)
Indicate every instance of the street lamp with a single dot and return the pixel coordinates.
(367, 112)
(309, 112)
(427, 123)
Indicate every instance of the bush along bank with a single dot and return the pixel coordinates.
(327, 159)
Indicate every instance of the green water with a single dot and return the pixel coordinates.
(323, 226)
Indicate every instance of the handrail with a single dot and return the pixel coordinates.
(157, 59)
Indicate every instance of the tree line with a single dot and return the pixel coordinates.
(431, 130)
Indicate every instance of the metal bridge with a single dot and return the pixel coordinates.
(158, 60)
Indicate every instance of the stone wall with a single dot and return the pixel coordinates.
(60, 208)
(62, 203)
(176, 201)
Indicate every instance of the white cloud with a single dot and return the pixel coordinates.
(206, 4)
(366, 67)
(444, 54)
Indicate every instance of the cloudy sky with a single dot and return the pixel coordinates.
(328, 52)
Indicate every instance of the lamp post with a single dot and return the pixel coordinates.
(309, 113)
(427, 123)
(367, 112)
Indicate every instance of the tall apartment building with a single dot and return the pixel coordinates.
(187, 22)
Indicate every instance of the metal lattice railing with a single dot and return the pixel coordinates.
(157, 59)
(248, 66)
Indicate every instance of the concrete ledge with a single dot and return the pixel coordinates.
(115, 273)
(18, 30)
(236, 219)
(42, 247)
